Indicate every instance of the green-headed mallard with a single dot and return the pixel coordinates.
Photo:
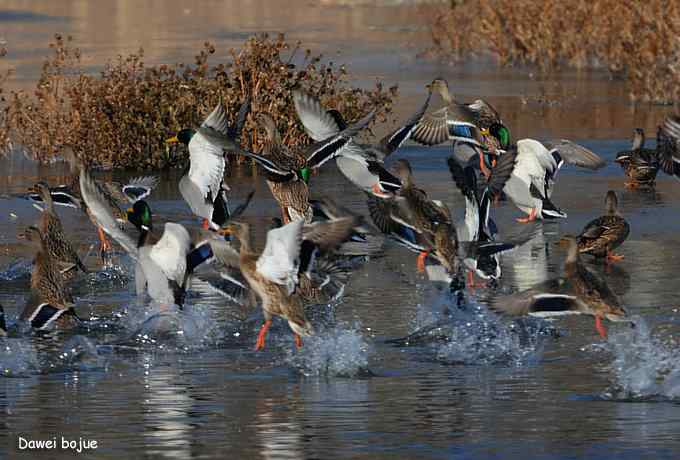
(578, 291)
(202, 186)
(49, 304)
(362, 164)
(56, 243)
(275, 273)
(161, 267)
(532, 181)
(477, 125)
(288, 170)
(606, 233)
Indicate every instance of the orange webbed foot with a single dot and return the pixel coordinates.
(530, 218)
(420, 263)
(298, 341)
(600, 327)
(261, 336)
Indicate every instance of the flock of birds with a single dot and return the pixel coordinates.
(311, 251)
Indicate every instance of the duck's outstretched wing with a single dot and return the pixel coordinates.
(101, 212)
(575, 154)
(668, 146)
(317, 121)
(393, 140)
(547, 298)
(138, 188)
(280, 260)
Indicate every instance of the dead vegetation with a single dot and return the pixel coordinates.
(638, 40)
(120, 117)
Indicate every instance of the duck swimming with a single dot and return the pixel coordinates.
(606, 233)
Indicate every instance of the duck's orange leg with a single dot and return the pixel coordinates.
(600, 327)
(261, 336)
(420, 263)
(206, 224)
(470, 279)
(612, 258)
(483, 167)
(298, 341)
(284, 215)
(530, 218)
(631, 184)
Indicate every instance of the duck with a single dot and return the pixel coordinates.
(578, 291)
(641, 165)
(532, 182)
(56, 243)
(476, 128)
(202, 185)
(49, 305)
(288, 170)
(161, 260)
(361, 163)
(477, 228)
(602, 235)
(275, 273)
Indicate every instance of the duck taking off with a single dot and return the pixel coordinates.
(202, 186)
(531, 184)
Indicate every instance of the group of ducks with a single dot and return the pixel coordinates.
(313, 248)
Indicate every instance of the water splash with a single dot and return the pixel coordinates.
(79, 353)
(470, 334)
(170, 328)
(644, 367)
(17, 358)
(338, 352)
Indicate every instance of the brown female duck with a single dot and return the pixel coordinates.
(641, 165)
(578, 291)
(275, 273)
(606, 233)
(56, 243)
(49, 304)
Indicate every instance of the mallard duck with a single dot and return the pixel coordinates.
(49, 304)
(476, 128)
(477, 228)
(578, 291)
(606, 233)
(161, 267)
(532, 181)
(202, 186)
(275, 273)
(288, 170)
(362, 164)
(640, 164)
(56, 243)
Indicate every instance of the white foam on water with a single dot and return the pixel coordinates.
(17, 358)
(339, 352)
(80, 353)
(643, 367)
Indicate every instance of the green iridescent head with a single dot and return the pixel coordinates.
(184, 136)
(304, 174)
(500, 132)
(139, 215)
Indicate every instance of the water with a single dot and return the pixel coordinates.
(146, 383)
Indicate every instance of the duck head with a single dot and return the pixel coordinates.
(43, 191)
(238, 230)
(501, 133)
(638, 138)
(183, 136)
(441, 86)
(402, 169)
(140, 216)
(611, 203)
